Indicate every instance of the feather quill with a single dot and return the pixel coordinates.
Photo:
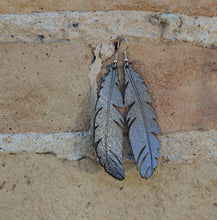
(141, 120)
(108, 135)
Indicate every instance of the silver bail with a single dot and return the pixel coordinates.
(125, 59)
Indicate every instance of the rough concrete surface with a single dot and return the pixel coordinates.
(64, 145)
(44, 87)
(43, 187)
(190, 7)
(105, 27)
(175, 147)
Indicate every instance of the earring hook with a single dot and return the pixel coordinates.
(124, 48)
(116, 54)
(122, 44)
(116, 60)
(125, 59)
(125, 52)
(125, 39)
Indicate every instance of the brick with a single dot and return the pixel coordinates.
(44, 87)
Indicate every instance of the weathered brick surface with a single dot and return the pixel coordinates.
(182, 80)
(44, 87)
(192, 7)
(43, 187)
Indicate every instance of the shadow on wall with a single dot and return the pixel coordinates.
(89, 166)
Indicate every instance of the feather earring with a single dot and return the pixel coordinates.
(141, 119)
(108, 136)
(125, 107)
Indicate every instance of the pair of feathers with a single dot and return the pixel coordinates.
(140, 119)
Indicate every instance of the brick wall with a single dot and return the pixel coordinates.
(53, 55)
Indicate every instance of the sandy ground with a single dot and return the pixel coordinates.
(34, 186)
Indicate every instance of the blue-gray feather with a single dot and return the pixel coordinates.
(108, 134)
(143, 129)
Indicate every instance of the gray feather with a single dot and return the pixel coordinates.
(108, 135)
(143, 126)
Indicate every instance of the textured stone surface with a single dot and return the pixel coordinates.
(98, 28)
(42, 187)
(192, 7)
(175, 147)
(35, 27)
(70, 145)
(182, 80)
(44, 87)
